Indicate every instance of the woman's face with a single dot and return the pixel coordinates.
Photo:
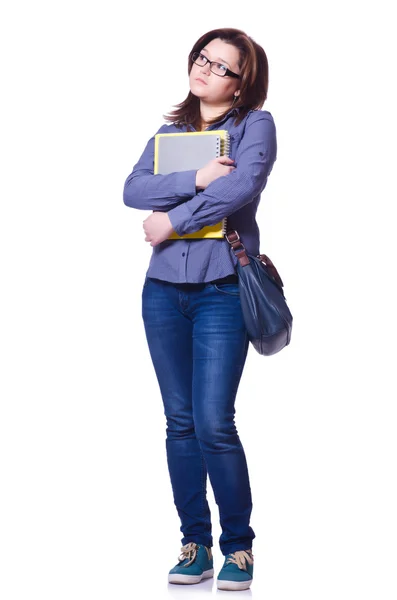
(212, 88)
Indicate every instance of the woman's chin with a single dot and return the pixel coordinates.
(197, 90)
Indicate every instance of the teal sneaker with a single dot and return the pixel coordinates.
(195, 563)
(237, 571)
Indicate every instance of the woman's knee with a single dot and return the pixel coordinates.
(217, 436)
(180, 427)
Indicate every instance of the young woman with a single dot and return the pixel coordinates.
(190, 299)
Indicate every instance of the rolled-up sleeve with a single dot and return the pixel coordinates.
(146, 191)
(254, 161)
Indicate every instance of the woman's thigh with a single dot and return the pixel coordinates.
(169, 336)
(220, 347)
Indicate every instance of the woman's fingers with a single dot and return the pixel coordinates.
(224, 160)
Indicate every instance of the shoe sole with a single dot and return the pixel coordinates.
(224, 584)
(187, 579)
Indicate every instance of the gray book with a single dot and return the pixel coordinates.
(191, 150)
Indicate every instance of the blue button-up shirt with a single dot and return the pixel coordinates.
(253, 147)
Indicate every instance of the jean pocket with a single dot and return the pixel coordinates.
(230, 289)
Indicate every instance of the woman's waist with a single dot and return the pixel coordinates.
(232, 278)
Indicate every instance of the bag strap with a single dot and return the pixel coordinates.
(240, 252)
(237, 247)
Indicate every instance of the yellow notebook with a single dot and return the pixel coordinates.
(191, 150)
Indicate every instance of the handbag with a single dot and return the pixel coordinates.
(266, 314)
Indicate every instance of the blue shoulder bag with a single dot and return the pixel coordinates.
(266, 315)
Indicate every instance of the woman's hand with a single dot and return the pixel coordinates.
(157, 227)
(218, 167)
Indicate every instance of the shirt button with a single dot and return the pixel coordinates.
(183, 254)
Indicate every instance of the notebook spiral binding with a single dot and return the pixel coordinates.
(226, 145)
(225, 152)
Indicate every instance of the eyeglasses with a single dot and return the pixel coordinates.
(215, 67)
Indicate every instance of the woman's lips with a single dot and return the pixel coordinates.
(201, 80)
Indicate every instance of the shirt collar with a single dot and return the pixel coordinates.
(234, 110)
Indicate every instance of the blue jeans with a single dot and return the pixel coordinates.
(198, 345)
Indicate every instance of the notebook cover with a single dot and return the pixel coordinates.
(191, 150)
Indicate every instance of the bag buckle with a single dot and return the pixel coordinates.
(237, 243)
(231, 232)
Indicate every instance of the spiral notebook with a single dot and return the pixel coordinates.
(191, 150)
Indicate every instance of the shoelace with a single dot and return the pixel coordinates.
(240, 557)
(188, 551)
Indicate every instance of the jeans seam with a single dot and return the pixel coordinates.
(202, 484)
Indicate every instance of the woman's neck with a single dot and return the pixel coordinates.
(209, 112)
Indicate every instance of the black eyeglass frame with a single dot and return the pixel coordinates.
(228, 72)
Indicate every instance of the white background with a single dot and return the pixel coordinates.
(86, 506)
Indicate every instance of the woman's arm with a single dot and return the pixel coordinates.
(255, 157)
(144, 190)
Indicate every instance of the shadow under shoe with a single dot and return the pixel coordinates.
(194, 564)
(237, 571)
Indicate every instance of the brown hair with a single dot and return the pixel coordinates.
(254, 80)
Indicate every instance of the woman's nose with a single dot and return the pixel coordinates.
(206, 68)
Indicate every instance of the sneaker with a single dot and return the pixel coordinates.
(195, 563)
(237, 571)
